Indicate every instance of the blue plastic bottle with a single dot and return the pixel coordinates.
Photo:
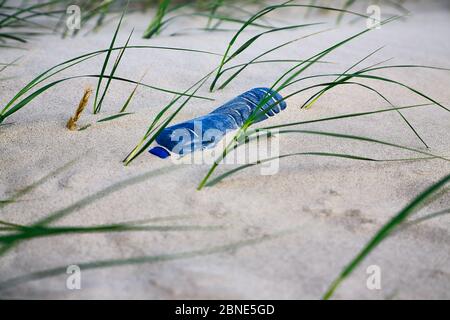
(206, 131)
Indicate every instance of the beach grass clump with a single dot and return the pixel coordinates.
(208, 9)
(18, 19)
(288, 79)
(20, 22)
(217, 12)
(291, 77)
(229, 55)
(38, 85)
(157, 125)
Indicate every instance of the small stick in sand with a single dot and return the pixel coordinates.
(72, 123)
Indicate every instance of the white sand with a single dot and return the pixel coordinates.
(333, 205)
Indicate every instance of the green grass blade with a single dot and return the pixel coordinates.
(12, 37)
(113, 71)
(130, 97)
(105, 62)
(215, 5)
(115, 116)
(78, 205)
(26, 9)
(330, 134)
(402, 85)
(244, 66)
(344, 116)
(316, 96)
(228, 173)
(39, 91)
(384, 232)
(155, 24)
(29, 233)
(424, 218)
(250, 41)
(329, 86)
(364, 139)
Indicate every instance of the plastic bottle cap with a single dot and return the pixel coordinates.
(159, 152)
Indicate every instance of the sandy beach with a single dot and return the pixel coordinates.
(250, 236)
